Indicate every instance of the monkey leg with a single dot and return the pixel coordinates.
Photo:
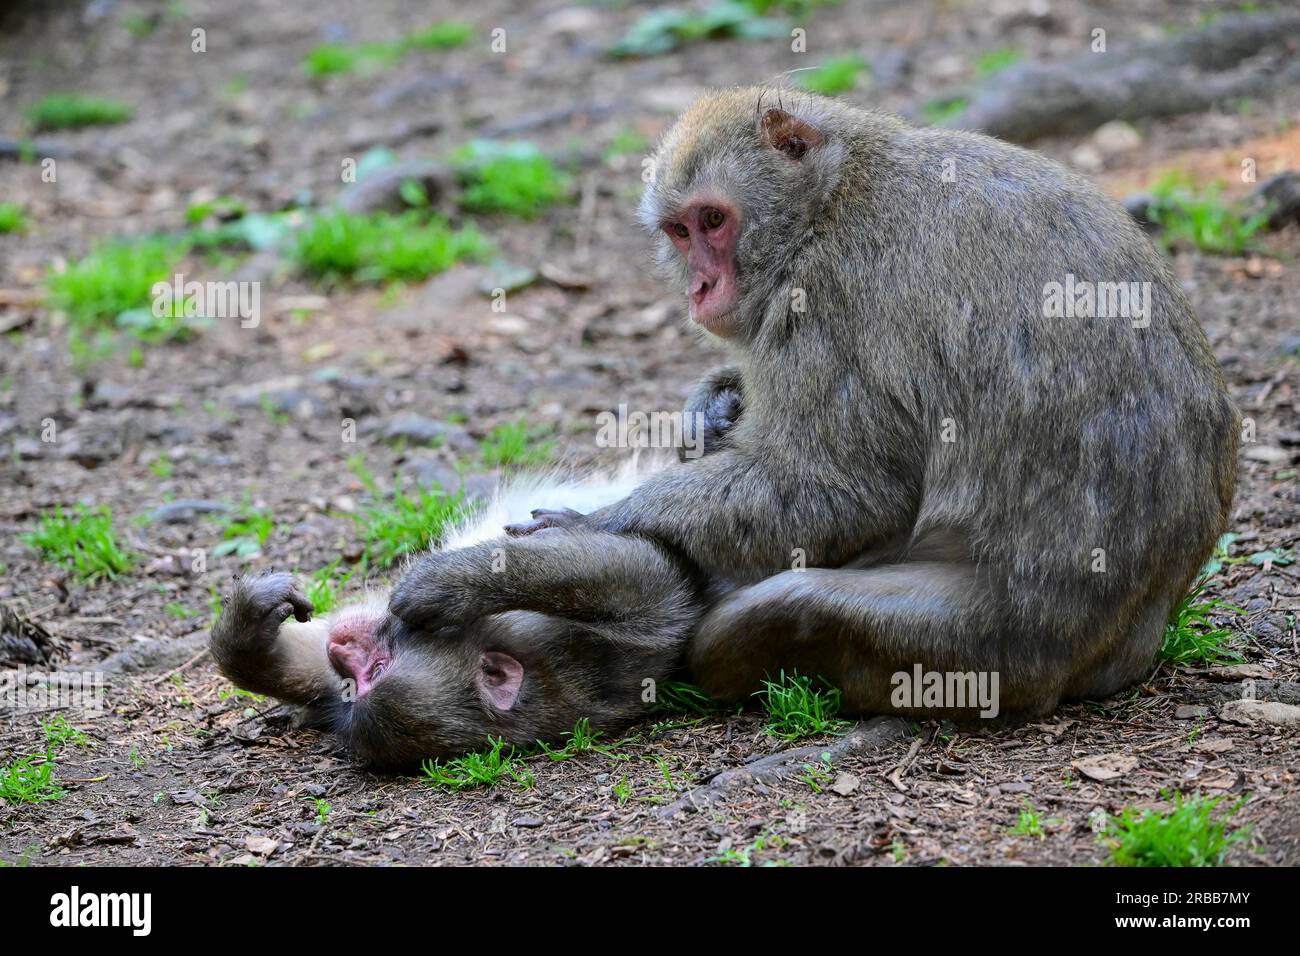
(858, 629)
(625, 586)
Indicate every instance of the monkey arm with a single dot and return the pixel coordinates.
(627, 586)
(259, 650)
(714, 406)
(749, 511)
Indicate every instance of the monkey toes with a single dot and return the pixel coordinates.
(544, 518)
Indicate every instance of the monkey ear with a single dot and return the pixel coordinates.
(788, 134)
(499, 679)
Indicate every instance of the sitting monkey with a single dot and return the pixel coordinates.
(937, 460)
(533, 656)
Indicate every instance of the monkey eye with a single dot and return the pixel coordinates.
(712, 218)
(679, 229)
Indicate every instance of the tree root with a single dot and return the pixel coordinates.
(1233, 58)
(874, 734)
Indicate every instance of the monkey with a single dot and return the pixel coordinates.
(933, 464)
(531, 657)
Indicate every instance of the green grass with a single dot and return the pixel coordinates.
(481, 769)
(836, 75)
(1201, 217)
(12, 218)
(322, 811)
(515, 445)
(59, 732)
(627, 142)
(943, 108)
(582, 739)
(995, 61)
(405, 523)
(71, 110)
(794, 8)
(114, 277)
(1029, 823)
(323, 590)
(383, 247)
(666, 29)
(744, 856)
(82, 540)
(30, 780)
(444, 35)
(818, 775)
(1191, 834)
(796, 709)
(334, 58)
(513, 178)
(244, 532)
(679, 697)
(139, 25)
(1192, 638)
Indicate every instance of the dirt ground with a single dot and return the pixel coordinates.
(176, 771)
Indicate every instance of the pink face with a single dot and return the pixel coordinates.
(705, 233)
(355, 650)
(358, 652)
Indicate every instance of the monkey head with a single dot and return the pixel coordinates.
(738, 181)
(408, 696)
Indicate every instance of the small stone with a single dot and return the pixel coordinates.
(845, 784)
(1191, 711)
(1115, 138)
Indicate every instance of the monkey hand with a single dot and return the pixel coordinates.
(251, 614)
(443, 588)
(713, 408)
(544, 518)
(260, 603)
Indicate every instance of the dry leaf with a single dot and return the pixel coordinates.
(1105, 766)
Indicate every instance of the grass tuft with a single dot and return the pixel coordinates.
(1202, 218)
(30, 780)
(244, 532)
(1192, 638)
(515, 445)
(481, 769)
(943, 108)
(995, 61)
(1190, 834)
(795, 709)
(71, 110)
(82, 540)
(513, 178)
(405, 524)
(59, 732)
(836, 75)
(12, 218)
(115, 277)
(383, 247)
(329, 59)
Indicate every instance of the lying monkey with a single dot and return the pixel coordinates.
(536, 653)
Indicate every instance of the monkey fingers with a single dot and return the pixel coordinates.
(544, 518)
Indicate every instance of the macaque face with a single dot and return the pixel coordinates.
(408, 697)
(704, 232)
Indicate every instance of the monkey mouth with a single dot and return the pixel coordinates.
(359, 661)
(713, 305)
